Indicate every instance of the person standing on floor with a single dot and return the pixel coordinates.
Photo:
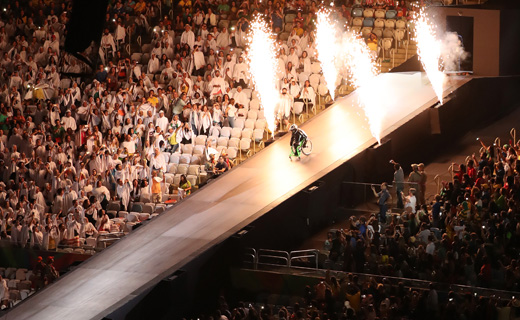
(383, 197)
(399, 183)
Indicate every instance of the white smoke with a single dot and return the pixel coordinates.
(452, 52)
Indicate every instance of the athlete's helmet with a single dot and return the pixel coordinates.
(294, 127)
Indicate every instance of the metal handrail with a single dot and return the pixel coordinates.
(310, 253)
(273, 254)
(422, 284)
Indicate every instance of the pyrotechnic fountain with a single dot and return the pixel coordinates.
(262, 67)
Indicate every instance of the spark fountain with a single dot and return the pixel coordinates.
(326, 45)
(429, 49)
(359, 60)
(345, 54)
(263, 67)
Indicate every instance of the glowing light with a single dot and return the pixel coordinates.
(342, 53)
(263, 67)
(360, 61)
(326, 45)
(429, 51)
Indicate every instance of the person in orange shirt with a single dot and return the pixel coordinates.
(156, 188)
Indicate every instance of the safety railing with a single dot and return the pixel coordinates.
(278, 258)
(273, 257)
(250, 257)
(308, 256)
(407, 282)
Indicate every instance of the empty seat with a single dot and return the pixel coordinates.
(185, 159)
(365, 32)
(388, 33)
(261, 124)
(172, 168)
(225, 132)
(215, 131)
(389, 24)
(240, 123)
(236, 133)
(248, 93)
(20, 274)
(234, 143)
(391, 14)
(174, 158)
(400, 24)
(254, 104)
(222, 141)
(198, 150)
(245, 144)
(247, 133)
(368, 22)
(194, 170)
(379, 23)
(250, 123)
(357, 12)
(10, 273)
(187, 149)
(380, 14)
(399, 34)
(144, 216)
(113, 206)
(378, 32)
(168, 177)
(368, 13)
(196, 159)
(258, 135)
(13, 284)
(200, 140)
(137, 207)
(252, 115)
(182, 169)
(149, 208)
(160, 210)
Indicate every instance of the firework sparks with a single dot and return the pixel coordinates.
(429, 50)
(263, 67)
(326, 45)
(359, 60)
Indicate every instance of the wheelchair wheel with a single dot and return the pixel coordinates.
(307, 147)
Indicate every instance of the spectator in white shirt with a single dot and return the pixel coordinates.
(188, 37)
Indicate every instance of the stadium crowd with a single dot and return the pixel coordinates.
(352, 298)
(469, 234)
(71, 145)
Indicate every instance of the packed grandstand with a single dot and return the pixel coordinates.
(171, 106)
